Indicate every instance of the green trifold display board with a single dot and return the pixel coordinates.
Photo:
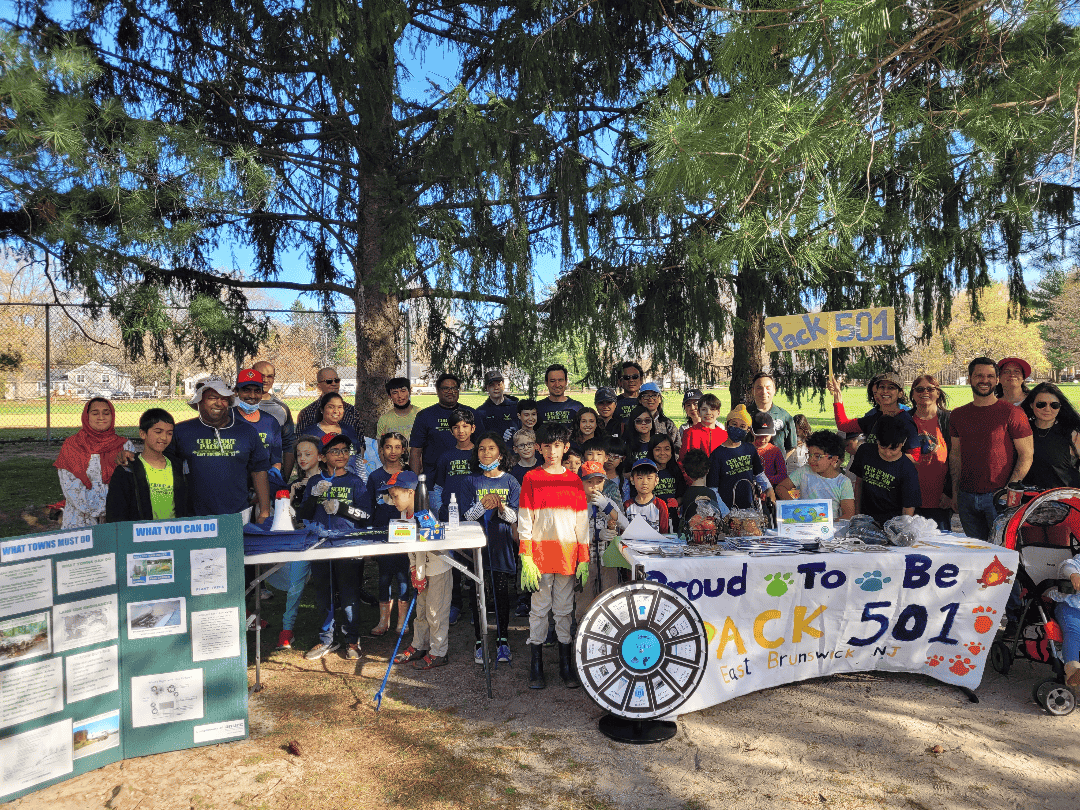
(118, 641)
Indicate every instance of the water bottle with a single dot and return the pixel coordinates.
(454, 517)
(420, 503)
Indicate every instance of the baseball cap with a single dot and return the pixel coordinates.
(592, 469)
(330, 439)
(692, 395)
(605, 395)
(649, 387)
(248, 376)
(214, 383)
(405, 479)
(1024, 365)
(492, 376)
(763, 424)
(889, 377)
(644, 462)
(740, 413)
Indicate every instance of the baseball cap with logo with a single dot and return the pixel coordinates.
(248, 376)
(692, 395)
(492, 376)
(763, 424)
(605, 395)
(405, 479)
(592, 469)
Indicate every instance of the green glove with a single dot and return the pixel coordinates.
(582, 572)
(530, 574)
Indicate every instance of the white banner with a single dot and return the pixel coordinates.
(932, 608)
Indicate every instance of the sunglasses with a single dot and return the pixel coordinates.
(645, 421)
(1051, 405)
(631, 377)
(922, 389)
(330, 381)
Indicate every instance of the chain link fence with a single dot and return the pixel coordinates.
(55, 357)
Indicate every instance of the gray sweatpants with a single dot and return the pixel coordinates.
(556, 595)
(432, 624)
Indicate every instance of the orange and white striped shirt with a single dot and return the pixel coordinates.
(553, 521)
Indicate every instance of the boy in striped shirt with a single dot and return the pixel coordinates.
(553, 530)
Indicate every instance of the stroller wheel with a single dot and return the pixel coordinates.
(1060, 700)
(1040, 690)
(1001, 657)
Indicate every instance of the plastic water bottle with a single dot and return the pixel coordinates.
(452, 512)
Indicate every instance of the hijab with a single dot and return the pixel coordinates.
(76, 451)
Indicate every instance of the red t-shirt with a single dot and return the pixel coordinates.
(987, 453)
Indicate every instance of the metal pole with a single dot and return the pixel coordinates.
(48, 380)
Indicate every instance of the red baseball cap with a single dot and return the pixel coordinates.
(592, 468)
(248, 376)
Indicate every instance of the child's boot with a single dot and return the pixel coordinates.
(566, 667)
(384, 620)
(1072, 673)
(536, 667)
(402, 609)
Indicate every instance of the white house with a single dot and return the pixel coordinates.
(92, 377)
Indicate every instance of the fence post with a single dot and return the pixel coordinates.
(48, 379)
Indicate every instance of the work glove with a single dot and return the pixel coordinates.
(582, 573)
(330, 506)
(600, 501)
(606, 536)
(530, 574)
(418, 582)
(321, 488)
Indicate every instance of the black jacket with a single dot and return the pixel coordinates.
(129, 493)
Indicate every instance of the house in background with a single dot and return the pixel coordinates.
(91, 378)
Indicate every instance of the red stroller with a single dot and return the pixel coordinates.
(1045, 530)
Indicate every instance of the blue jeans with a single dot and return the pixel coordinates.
(291, 578)
(1069, 619)
(977, 513)
(393, 576)
(346, 573)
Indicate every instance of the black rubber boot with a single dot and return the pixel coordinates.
(566, 667)
(536, 668)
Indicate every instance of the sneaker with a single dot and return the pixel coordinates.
(504, 656)
(320, 649)
(352, 652)
(455, 614)
(284, 640)
(522, 609)
(478, 656)
(266, 594)
(409, 654)
(430, 662)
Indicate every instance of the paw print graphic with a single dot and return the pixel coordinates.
(959, 665)
(778, 584)
(934, 660)
(974, 647)
(984, 619)
(872, 581)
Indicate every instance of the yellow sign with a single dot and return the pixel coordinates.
(832, 330)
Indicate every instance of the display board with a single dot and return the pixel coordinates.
(932, 608)
(118, 641)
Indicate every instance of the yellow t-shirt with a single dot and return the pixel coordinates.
(161, 490)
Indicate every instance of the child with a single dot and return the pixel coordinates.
(586, 423)
(607, 423)
(886, 481)
(524, 453)
(331, 500)
(453, 466)
(430, 575)
(696, 465)
(1067, 612)
(527, 414)
(553, 529)
(637, 433)
(606, 519)
(572, 460)
(613, 466)
(772, 457)
(821, 477)
(643, 478)
(735, 462)
(393, 568)
(153, 486)
(671, 481)
(596, 450)
(705, 435)
(490, 496)
(690, 402)
(797, 456)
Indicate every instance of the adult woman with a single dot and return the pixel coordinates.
(86, 464)
(886, 394)
(1012, 371)
(586, 423)
(932, 420)
(1055, 427)
(329, 414)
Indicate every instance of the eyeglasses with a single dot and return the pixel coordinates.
(523, 446)
(330, 381)
(337, 451)
(630, 377)
(1045, 404)
(819, 456)
(648, 394)
(922, 389)
(449, 389)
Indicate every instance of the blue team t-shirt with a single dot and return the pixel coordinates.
(557, 413)
(499, 418)
(453, 468)
(431, 433)
(730, 465)
(868, 423)
(270, 433)
(219, 462)
(346, 487)
(501, 551)
(623, 407)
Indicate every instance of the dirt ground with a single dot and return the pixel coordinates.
(853, 741)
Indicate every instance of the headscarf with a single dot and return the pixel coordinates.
(76, 451)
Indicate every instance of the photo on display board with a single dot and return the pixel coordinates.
(88, 621)
(161, 617)
(95, 734)
(25, 637)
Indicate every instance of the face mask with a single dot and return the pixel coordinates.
(243, 406)
(489, 467)
(737, 434)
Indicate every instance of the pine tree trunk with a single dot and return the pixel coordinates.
(749, 333)
(377, 320)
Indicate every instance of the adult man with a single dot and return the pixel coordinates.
(220, 452)
(499, 411)
(650, 398)
(991, 445)
(605, 402)
(326, 381)
(402, 414)
(431, 436)
(249, 392)
(630, 382)
(556, 408)
(763, 388)
(274, 406)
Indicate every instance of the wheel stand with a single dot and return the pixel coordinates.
(637, 732)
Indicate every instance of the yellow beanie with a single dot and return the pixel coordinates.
(739, 412)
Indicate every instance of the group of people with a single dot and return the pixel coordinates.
(553, 481)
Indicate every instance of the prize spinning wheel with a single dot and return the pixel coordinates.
(641, 652)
